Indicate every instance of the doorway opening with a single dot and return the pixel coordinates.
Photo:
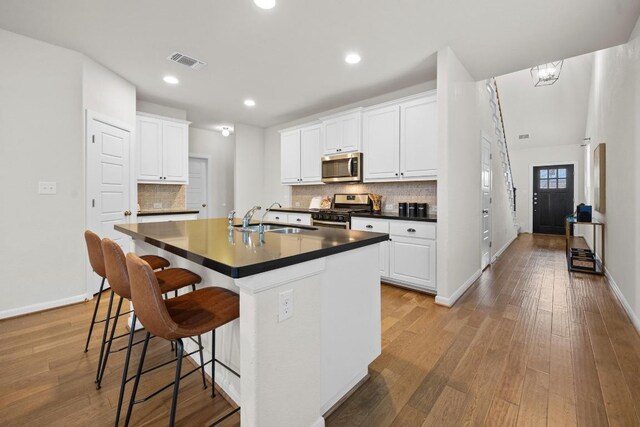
(485, 256)
(552, 199)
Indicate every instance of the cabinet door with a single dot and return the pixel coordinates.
(381, 140)
(175, 152)
(311, 152)
(149, 151)
(351, 135)
(290, 157)
(332, 136)
(384, 259)
(413, 261)
(419, 138)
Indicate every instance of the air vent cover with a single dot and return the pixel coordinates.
(183, 59)
(523, 136)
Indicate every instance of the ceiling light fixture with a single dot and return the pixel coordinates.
(265, 4)
(249, 102)
(171, 80)
(225, 131)
(546, 74)
(352, 58)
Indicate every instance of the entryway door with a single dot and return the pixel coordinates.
(486, 203)
(108, 185)
(552, 198)
(197, 194)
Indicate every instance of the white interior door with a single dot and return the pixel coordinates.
(108, 185)
(486, 203)
(197, 194)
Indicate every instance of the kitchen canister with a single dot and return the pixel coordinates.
(413, 209)
(422, 210)
(402, 209)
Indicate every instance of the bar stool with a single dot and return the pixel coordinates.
(171, 279)
(187, 315)
(96, 260)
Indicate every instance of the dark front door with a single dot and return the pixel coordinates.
(552, 198)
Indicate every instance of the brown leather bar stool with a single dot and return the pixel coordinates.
(187, 315)
(96, 260)
(169, 280)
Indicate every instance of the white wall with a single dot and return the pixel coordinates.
(249, 168)
(613, 118)
(41, 127)
(522, 161)
(161, 110)
(107, 93)
(222, 152)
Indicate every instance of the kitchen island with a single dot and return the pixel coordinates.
(293, 370)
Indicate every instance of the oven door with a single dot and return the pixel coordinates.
(330, 224)
(342, 168)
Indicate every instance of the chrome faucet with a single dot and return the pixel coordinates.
(261, 227)
(247, 217)
(230, 217)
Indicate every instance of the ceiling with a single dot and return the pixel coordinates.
(551, 115)
(291, 59)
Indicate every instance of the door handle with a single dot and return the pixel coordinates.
(127, 213)
(411, 230)
(484, 211)
(204, 205)
(369, 226)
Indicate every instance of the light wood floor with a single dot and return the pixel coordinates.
(528, 345)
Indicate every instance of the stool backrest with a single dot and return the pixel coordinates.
(147, 299)
(94, 249)
(115, 265)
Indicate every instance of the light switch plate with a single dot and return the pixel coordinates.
(285, 305)
(48, 188)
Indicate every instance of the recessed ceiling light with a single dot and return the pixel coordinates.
(352, 58)
(171, 80)
(265, 4)
(249, 102)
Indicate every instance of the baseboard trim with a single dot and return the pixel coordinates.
(448, 302)
(21, 311)
(623, 301)
(498, 254)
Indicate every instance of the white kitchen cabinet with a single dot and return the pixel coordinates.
(278, 217)
(300, 153)
(342, 133)
(400, 140)
(299, 219)
(162, 150)
(409, 257)
(288, 218)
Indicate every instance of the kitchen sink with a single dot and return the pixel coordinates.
(287, 230)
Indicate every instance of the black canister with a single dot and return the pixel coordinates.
(413, 209)
(422, 210)
(402, 209)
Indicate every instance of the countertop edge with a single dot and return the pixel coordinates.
(185, 212)
(394, 217)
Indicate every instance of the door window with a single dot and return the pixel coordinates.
(553, 179)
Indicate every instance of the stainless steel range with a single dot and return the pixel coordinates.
(343, 205)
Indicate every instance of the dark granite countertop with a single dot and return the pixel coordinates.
(237, 254)
(428, 218)
(168, 212)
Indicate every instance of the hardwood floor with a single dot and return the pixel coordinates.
(528, 344)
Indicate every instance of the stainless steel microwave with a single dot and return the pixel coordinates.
(342, 168)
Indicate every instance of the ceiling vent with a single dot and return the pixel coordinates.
(523, 136)
(183, 59)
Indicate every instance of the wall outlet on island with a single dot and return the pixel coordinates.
(157, 206)
(285, 305)
(388, 207)
(297, 204)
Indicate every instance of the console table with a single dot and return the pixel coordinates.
(577, 250)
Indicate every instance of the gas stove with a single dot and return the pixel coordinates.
(343, 205)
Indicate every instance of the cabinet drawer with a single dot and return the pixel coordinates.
(423, 230)
(276, 217)
(366, 224)
(299, 219)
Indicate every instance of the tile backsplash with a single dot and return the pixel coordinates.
(392, 193)
(168, 195)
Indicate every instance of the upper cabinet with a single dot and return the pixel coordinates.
(342, 133)
(300, 155)
(400, 140)
(162, 150)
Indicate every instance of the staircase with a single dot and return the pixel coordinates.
(496, 108)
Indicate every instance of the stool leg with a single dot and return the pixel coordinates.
(104, 335)
(204, 381)
(108, 349)
(125, 371)
(213, 363)
(93, 319)
(136, 381)
(176, 385)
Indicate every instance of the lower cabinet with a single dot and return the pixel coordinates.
(288, 218)
(409, 257)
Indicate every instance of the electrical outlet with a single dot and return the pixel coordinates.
(388, 206)
(285, 305)
(297, 204)
(47, 188)
(157, 206)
